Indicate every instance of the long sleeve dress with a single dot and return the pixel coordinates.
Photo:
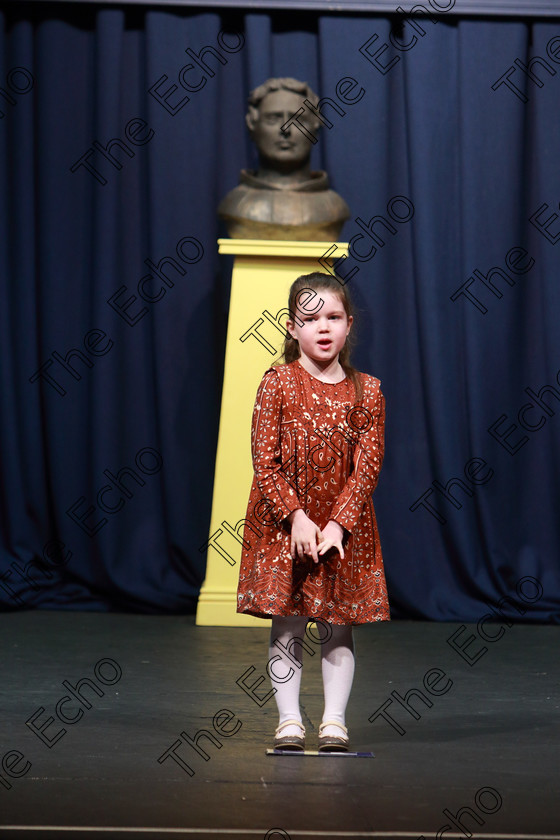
(314, 449)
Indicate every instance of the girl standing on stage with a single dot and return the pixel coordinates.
(311, 546)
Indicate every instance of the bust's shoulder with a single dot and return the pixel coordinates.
(257, 210)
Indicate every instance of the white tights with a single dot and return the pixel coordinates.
(287, 642)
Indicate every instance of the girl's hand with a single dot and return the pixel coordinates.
(304, 535)
(332, 538)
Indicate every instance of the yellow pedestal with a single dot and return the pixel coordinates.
(263, 272)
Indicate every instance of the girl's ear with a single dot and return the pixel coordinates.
(350, 322)
(291, 327)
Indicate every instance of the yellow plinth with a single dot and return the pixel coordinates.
(262, 274)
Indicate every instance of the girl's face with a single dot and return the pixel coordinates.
(322, 330)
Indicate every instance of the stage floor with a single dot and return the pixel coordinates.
(481, 761)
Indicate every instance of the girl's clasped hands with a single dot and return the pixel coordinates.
(307, 539)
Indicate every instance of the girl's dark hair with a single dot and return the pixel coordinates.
(300, 304)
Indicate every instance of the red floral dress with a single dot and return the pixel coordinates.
(314, 448)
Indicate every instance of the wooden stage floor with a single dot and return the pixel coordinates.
(98, 710)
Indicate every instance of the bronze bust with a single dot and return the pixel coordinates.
(283, 199)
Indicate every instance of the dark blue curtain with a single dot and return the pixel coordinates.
(114, 301)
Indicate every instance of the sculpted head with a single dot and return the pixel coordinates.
(270, 106)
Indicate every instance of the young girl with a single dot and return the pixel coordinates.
(311, 547)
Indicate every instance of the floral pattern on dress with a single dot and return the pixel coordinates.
(314, 448)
